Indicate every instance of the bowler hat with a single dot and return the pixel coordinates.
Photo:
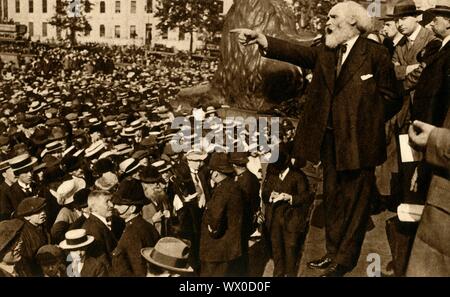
(220, 162)
(239, 158)
(9, 230)
(30, 206)
(130, 192)
(404, 8)
(169, 253)
(150, 175)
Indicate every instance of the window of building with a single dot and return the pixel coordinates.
(58, 33)
(165, 34)
(133, 6)
(87, 32)
(117, 31)
(44, 29)
(102, 7)
(102, 30)
(221, 6)
(133, 34)
(148, 6)
(44, 6)
(30, 6)
(17, 6)
(5, 9)
(117, 6)
(30, 29)
(181, 34)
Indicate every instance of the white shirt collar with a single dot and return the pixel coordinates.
(102, 219)
(22, 185)
(350, 43)
(445, 41)
(413, 36)
(284, 173)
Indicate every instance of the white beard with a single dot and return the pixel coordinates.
(340, 35)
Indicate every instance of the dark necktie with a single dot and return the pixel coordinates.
(340, 52)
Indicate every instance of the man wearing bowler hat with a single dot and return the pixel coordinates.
(138, 233)
(32, 211)
(221, 239)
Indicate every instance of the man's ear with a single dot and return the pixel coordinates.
(133, 208)
(352, 20)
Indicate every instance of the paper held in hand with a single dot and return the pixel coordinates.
(409, 212)
(408, 154)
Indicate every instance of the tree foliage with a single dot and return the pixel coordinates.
(70, 15)
(311, 15)
(190, 16)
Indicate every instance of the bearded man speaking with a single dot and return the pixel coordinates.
(352, 93)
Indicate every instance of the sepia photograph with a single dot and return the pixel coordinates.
(215, 139)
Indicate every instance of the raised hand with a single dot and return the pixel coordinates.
(248, 37)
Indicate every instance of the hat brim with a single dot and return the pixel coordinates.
(93, 152)
(146, 253)
(405, 14)
(438, 12)
(28, 166)
(66, 246)
(79, 184)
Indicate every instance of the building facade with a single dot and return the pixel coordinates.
(119, 22)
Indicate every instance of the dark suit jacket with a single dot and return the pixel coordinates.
(17, 195)
(224, 215)
(432, 96)
(93, 268)
(127, 259)
(105, 242)
(249, 185)
(33, 238)
(359, 104)
(294, 216)
(6, 207)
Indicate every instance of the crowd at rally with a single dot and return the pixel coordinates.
(95, 183)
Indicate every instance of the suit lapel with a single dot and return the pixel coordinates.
(351, 65)
(442, 52)
(328, 63)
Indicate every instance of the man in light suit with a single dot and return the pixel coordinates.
(352, 93)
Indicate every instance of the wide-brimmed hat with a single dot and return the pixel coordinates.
(67, 190)
(169, 253)
(404, 8)
(94, 148)
(76, 239)
(220, 162)
(52, 147)
(9, 230)
(22, 163)
(196, 155)
(36, 106)
(440, 10)
(123, 149)
(130, 192)
(162, 166)
(107, 181)
(150, 175)
(4, 165)
(30, 206)
(128, 132)
(239, 158)
(129, 166)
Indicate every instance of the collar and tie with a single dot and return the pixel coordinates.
(341, 50)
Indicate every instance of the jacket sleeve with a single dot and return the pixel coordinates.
(302, 194)
(286, 51)
(388, 86)
(438, 148)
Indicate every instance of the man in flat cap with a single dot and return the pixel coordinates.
(10, 247)
(32, 211)
(138, 233)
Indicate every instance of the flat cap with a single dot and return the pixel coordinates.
(30, 206)
(9, 230)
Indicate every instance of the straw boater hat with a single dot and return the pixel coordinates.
(94, 148)
(67, 190)
(22, 163)
(129, 166)
(169, 253)
(36, 106)
(76, 239)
